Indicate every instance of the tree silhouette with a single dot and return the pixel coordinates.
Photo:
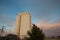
(35, 34)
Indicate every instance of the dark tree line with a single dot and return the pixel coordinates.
(9, 37)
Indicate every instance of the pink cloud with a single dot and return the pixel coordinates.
(45, 25)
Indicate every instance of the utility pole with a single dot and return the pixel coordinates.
(2, 30)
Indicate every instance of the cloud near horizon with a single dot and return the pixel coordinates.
(44, 24)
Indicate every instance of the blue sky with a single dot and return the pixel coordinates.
(41, 11)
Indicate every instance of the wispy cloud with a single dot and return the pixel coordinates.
(44, 24)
